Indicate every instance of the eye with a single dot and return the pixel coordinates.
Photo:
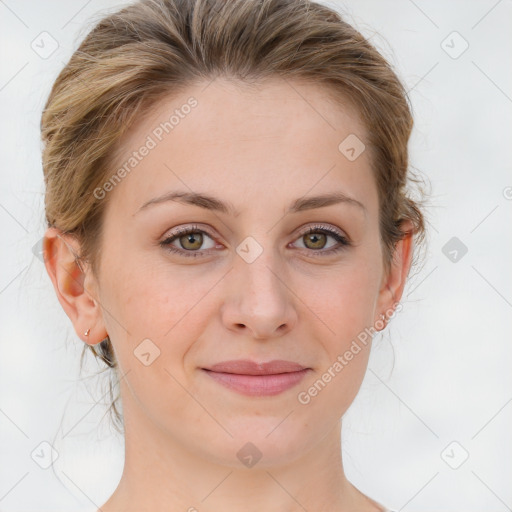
(315, 239)
(186, 241)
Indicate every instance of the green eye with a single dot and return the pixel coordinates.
(315, 239)
(191, 239)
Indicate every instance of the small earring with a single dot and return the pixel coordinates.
(86, 333)
(383, 317)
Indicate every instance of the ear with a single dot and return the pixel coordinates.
(69, 276)
(393, 281)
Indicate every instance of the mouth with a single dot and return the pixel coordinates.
(257, 379)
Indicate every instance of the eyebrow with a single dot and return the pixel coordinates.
(212, 203)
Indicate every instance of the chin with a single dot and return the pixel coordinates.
(261, 442)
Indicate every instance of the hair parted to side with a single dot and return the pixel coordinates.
(155, 48)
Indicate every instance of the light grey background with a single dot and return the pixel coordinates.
(440, 374)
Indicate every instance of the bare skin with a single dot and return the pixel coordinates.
(259, 149)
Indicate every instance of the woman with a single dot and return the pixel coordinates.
(228, 226)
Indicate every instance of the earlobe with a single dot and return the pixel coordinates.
(68, 277)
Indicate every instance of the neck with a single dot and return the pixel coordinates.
(162, 474)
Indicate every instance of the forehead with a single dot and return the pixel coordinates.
(253, 139)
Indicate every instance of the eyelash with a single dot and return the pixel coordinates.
(343, 241)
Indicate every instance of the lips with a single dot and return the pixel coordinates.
(246, 367)
(257, 379)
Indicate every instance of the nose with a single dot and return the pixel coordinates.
(257, 298)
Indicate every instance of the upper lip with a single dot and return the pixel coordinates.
(246, 367)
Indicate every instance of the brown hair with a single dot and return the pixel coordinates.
(153, 48)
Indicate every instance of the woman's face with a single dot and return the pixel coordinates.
(248, 282)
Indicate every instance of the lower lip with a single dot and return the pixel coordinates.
(258, 385)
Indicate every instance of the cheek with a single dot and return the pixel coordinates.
(149, 301)
(346, 300)
(346, 305)
(153, 317)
